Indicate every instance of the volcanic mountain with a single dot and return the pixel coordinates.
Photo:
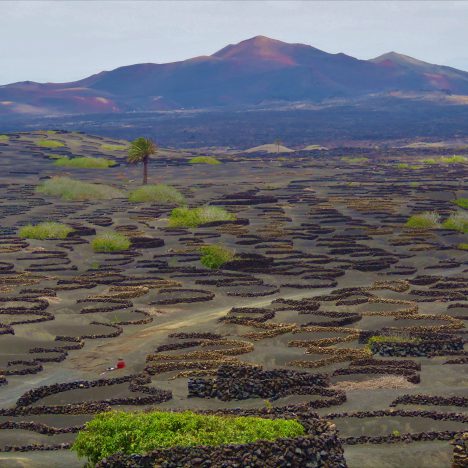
(257, 71)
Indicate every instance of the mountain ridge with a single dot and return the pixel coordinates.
(252, 72)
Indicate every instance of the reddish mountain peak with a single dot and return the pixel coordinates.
(399, 59)
(265, 49)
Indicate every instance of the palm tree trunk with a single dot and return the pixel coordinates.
(145, 171)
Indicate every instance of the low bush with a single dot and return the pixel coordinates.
(139, 433)
(407, 166)
(355, 160)
(46, 230)
(71, 189)
(455, 159)
(457, 222)
(158, 193)
(204, 160)
(106, 147)
(110, 242)
(462, 246)
(389, 339)
(429, 161)
(50, 144)
(427, 220)
(4, 138)
(193, 217)
(85, 163)
(214, 256)
(462, 203)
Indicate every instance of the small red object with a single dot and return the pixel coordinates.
(120, 364)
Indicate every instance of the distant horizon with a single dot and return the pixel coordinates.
(226, 45)
(48, 41)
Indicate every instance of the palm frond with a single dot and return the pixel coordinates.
(140, 149)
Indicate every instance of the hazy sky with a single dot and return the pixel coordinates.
(68, 40)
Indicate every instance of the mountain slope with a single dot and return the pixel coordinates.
(256, 71)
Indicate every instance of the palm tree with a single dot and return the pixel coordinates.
(140, 150)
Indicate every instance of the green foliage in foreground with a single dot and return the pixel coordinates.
(71, 189)
(111, 432)
(158, 193)
(462, 246)
(457, 222)
(110, 242)
(213, 256)
(85, 163)
(356, 160)
(46, 230)
(193, 217)
(427, 220)
(204, 160)
(4, 137)
(50, 144)
(114, 147)
(462, 203)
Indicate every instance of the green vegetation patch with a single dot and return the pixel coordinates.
(455, 159)
(427, 220)
(193, 217)
(462, 246)
(457, 222)
(462, 203)
(158, 193)
(46, 230)
(355, 160)
(106, 147)
(389, 339)
(204, 160)
(110, 241)
(129, 433)
(71, 189)
(85, 163)
(4, 137)
(214, 256)
(50, 144)
(407, 166)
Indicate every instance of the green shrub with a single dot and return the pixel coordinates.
(110, 242)
(213, 256)
(71, 189)
(4, 137)
(355, 160)
(427, 220)
(457, 222)
(204, 160)
(193, 217)
(158, 193)
(429, 161)
(455, 159)
(462, 246)
(50, 144)
(85, 163)
(129, 433)
(403, 166)
(389, 339)
(114, 147)
(462, 203)
(46, 230)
